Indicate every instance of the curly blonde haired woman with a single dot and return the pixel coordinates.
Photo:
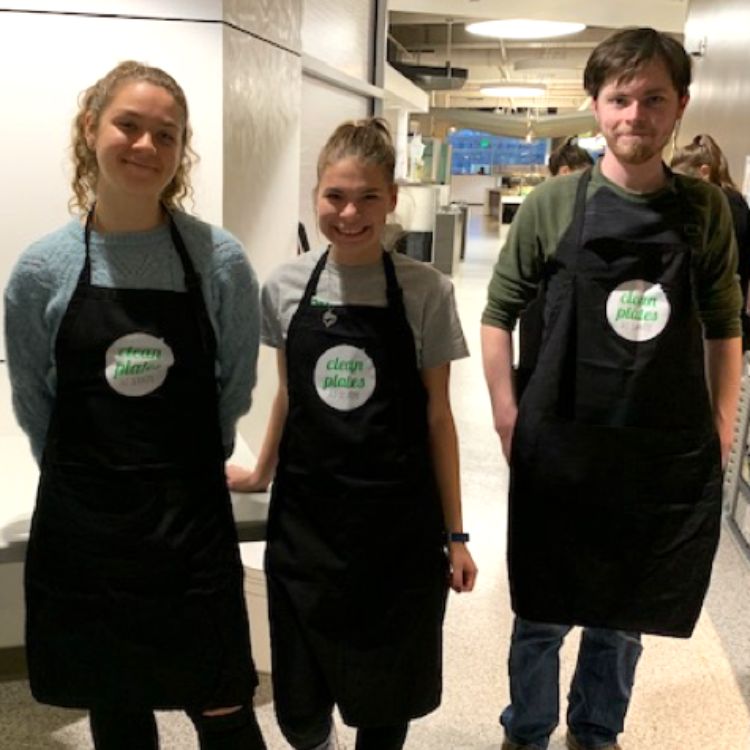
(128, 383)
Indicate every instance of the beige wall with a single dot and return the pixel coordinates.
(720, 92)
(341, 34)
(262, 84)
(324, 107)
(276, 118)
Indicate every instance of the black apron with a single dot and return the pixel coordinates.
(134, 583)
(615, 494)
(355, 552)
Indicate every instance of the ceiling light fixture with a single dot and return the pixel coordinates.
(514, 90)
(522, 28)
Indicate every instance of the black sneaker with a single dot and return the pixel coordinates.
(573, 744)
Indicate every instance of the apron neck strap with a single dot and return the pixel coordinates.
(392, 288)
(312, 283)
(579, 215)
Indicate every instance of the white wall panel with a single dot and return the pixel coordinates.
(324, 107)
(720, 103)
(341, 34)
(44, 88)
(46, 61)
(172, 8)
(277, 20)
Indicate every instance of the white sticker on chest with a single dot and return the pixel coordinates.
(344, 377)
(638, 310)
(137, 364)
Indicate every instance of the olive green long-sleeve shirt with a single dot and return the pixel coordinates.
(703, 218)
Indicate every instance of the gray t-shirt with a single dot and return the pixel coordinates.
(428, 299)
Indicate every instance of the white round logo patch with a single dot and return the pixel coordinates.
(638, 310)
(137, 364)
(344, 377)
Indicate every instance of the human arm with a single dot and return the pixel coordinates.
(531, 243)
(724, 371)
(497, 358)
(238, 332)
(444, 450)
(532, 240)
(717, 290)
(30, 323)
(258, 478)
(719, 303)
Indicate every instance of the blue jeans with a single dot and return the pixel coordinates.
(599, 693)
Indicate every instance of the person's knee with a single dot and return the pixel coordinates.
(117, 728)
(606, 639)
(539, 632)
(382, 738)
(228, 728)
(221, 711)
(308, 732)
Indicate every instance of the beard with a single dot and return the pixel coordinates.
(637, 151)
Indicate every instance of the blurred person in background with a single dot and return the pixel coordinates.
(703, 158)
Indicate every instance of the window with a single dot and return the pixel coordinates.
(475, 152)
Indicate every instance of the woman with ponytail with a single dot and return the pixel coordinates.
(703, 158)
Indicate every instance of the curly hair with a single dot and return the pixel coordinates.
(369, 140)
(92, 103)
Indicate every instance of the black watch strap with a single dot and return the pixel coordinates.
(457, 536)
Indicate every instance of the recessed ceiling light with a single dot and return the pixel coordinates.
(521, 28)
(514, 90)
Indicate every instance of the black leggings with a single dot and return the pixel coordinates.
(120, 729)
(370, 738)
(382, 738)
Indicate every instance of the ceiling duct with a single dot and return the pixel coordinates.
(432, 77)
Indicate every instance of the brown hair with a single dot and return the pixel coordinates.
(703, 150)
(569, 154)
(623, 54)
(368, 140)
(93, 101)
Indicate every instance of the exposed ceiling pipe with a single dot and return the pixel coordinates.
(448, 44)
(449, 40)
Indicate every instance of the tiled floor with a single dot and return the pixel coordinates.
(690, 695)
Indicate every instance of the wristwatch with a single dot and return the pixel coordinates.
(457, 536)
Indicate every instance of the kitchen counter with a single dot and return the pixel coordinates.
(20, 476)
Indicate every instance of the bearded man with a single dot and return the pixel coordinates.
(617, 445)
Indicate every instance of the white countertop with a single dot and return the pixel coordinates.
(20, 477)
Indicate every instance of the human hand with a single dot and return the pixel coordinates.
(240, 479)
(504, 426)
(463, 569)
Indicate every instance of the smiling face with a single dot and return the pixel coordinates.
(637, 116)
(138, 142)
(354, 198)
